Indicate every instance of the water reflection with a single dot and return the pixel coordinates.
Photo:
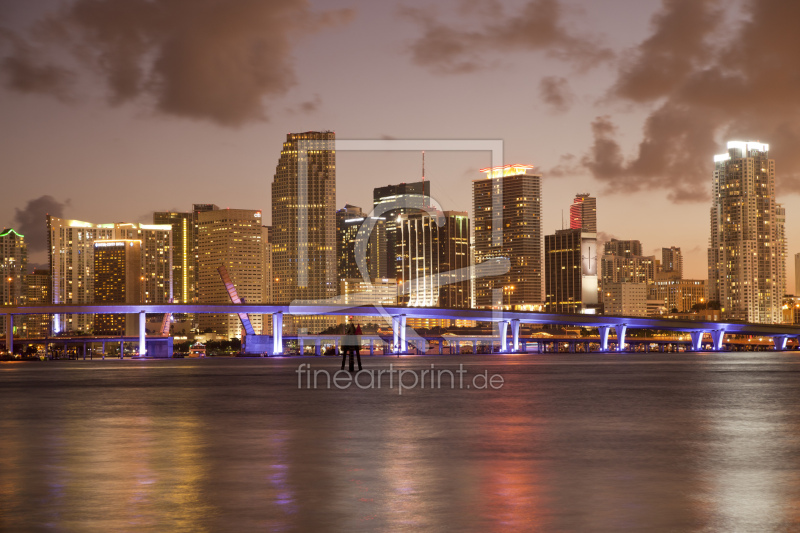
(571, 443)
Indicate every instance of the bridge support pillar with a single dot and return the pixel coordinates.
(441, 346)
(10, 333)
(503, 335)
(603, 337)
(277, 333)
(515, 335)
(780, 342)
(717, 336)
(372, 346)
(121, 349)
(697, 340)
(142, 324)
(621, 329)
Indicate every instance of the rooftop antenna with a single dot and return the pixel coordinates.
(562, 219)
(423, 165)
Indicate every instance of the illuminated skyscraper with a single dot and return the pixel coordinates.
(583, 213)
(71, 256)
(348, 223)
(233, 238)
(507, 214)
(435, 260)
(13, 265)
(570, 257)
(747, 252)
(408, 195)
(304, 218)
(183, 253)
(37, 291)
(117, 280)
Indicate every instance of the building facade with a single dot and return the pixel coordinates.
(507, 215)
(747, 248)
(37, 292)
(570, 271)
(679, 295)
(412, 198)
(672, 262)
(349, 221)
(71, 258)
(435, 260)
(231, 238)
(626, 299)
(13, 266)
(183, 253)
(304, 218)
(117, 280)
(583, 213)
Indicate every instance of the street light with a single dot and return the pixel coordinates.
(10, 296)
(508, 289)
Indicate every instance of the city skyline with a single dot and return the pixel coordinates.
(565, 108)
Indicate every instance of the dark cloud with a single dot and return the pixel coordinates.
(539, 27)
(556, 93)
(309, 106)
(568, 165)
(22, 71)
(707, 83)
(204, 59)
(32, 220)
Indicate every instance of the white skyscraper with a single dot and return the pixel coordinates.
(747, 252)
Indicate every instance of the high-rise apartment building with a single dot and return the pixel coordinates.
(507, 215)
(117, 280)
(196, 209)
(231, 238)
(623, 248)
(183, 253)
(622, 262)
(797, 274)
(672, 261)
(13, 265)
(37, 292)
(747, 251)
(583, 213)
(570, 271)
(435, 260)
(411, 197)
(71, 257)
(304, 218)
(349, 221)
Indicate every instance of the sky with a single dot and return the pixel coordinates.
(113, 109)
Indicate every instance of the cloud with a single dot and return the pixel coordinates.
(539, 27)
(22, 71)
(309, 106)
(32, 220)
(213, 60)
(568, 165)
(705, 83)
(556, 93)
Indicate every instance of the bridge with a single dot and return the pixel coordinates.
(398, 315)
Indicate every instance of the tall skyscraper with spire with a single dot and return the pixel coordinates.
(304, 218)
(747, 252)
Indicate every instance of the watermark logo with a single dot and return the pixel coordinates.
(402, 379)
